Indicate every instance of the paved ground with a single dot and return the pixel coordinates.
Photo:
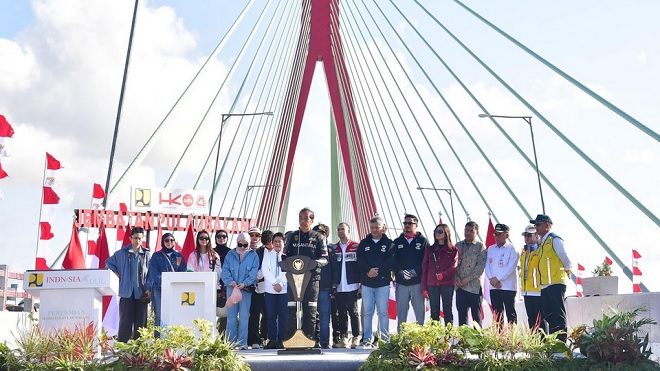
(330, 359)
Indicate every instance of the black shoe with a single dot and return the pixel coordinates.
(279, 345)
(271, 345)
(325, 346)
(317, 345)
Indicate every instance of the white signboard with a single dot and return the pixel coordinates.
(179, 201)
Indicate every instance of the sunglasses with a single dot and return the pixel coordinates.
(243, 245)
(221, 236)
(203, 238)
(255, 235)
(529, 234)
(169, 240)
(440, 231)
(538, 224)
(408, 223)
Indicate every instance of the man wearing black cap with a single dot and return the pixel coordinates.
(501, 263)
(554, 272)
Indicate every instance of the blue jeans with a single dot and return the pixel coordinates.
(237, 319)
(376, 298)
(324, 316)
(276, 305)
(156, 296)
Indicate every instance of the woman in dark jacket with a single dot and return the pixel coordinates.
(439, 273)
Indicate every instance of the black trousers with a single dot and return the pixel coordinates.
(553, 309)
(446, 295)
(334, 318)
(132, 316)
(504, 301)
(309, 312)
(533, 309)
(257, 325)
(467, 300)
(347, 307)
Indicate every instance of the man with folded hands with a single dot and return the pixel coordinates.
(410, 247)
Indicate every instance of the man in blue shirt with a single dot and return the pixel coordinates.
(130, 265)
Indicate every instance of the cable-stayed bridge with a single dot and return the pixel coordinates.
(406, 83)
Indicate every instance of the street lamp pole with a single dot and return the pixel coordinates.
(248, 189)
(225, 117)
(528, 120)
(451, 201)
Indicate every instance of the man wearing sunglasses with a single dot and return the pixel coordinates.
(554, 271)
(410, 247)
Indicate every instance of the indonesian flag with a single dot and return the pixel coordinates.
(637, 273)
(6, 131)
(110, 303)
(391, 303)
(97, 197)
(74, 258)
(580, 273)
(50, 198)
(189, 243)
(159, 238)
(121, 231)
(440, 217)
(490, 240)
(3, 174)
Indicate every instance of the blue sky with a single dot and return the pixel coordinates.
(61, 68)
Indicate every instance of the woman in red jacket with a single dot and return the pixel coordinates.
(439, 273)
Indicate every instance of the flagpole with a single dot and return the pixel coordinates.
(41, 209)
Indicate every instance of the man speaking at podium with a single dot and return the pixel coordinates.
(309, 243)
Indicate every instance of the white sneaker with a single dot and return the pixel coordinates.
(364, 345)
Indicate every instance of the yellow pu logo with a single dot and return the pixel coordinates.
(187, 299)
(143, 197)
(36, 280)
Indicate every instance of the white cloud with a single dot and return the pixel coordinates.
(641, 59)
(17, 67)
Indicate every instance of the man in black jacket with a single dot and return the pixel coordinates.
(375, 258)
(345, 284)
(310, 243)
(410, 247)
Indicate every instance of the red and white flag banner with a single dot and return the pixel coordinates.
(490, 240)
(6, 131)
(608, 260)
(637, 273)
(74, 258)
(98, 194)
(49, 199)
(580, 274)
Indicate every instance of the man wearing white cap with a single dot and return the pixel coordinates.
(530, 286)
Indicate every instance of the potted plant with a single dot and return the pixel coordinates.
(602, 283)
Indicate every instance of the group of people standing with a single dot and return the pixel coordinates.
(263, 312)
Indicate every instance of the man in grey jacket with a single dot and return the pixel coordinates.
(130, 265)
(471, 264)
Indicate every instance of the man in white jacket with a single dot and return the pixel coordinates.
(276, 298)
(501, 263)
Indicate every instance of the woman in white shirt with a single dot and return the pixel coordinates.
(276, 297)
